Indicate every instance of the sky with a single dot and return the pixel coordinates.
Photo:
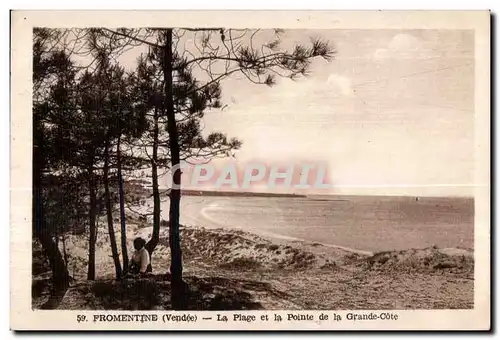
(391, 114)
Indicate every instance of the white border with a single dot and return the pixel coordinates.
(21, 314)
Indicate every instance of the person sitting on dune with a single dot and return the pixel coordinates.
(140, 262)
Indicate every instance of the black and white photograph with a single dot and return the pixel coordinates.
(218, 168)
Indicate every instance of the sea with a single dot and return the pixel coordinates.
(361, 223)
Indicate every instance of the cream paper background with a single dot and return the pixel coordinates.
(22, 23)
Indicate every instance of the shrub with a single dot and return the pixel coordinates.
(273, 247)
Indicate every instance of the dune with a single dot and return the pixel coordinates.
(234, 269)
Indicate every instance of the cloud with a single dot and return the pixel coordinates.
(340, 84)
(404, 43)
(336, 85)
(401, 46)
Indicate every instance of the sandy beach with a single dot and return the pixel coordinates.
(234, 269)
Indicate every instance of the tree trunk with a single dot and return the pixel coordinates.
(60, 275)
(122, 207)
(65, 253)
(109, 214)
(155, 238)
(178, 286)
(92, 220)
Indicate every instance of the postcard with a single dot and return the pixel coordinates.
(257, 170)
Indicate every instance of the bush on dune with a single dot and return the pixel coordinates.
(429, 260)
(241, 263)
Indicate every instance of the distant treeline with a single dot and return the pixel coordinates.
(142, 185)
(236, 194)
